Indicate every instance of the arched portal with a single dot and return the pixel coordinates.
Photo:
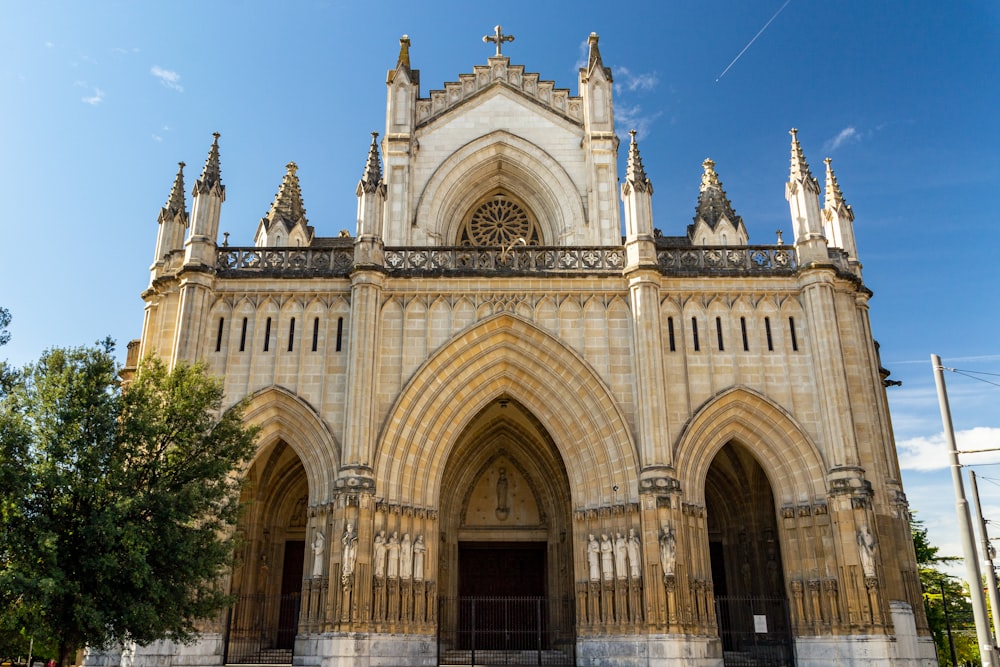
(268, 569)
(507, 535)
(745, 553)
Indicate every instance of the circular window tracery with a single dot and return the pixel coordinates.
(499, 220)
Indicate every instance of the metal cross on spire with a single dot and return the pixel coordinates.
(498, 38)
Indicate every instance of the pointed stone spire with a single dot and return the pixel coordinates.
(802, 194)
(403, 63)
(637, 196)
(371, 193)
(173, 221)
(834, 200)
(713, 204)
(372, 176)
(206, 211)
(594, 58)
(635, 174)
(175, 202)
(799, 171)
(838, 220)
(211, 175)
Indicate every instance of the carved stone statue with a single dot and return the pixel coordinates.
(866, 549)
(594, 558)
(503, 504)
(668, 550)
(393, 556)
(620, 552)
(406, 557)
(607, 558)
(350, 543)
(635, 566)
(379, 555)
(419, 549)
(318, 547)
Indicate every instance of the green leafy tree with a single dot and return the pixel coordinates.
(954, 599)
(116, 503)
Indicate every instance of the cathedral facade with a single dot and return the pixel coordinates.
(494, 429)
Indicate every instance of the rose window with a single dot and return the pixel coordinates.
(499, 221)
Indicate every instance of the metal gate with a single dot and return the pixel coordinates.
(506, 631)
(261, 629)
(755, 631)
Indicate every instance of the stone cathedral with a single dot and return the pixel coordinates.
(512, 420)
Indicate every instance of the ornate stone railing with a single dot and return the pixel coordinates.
(729, 259)
(519, 259)
(253, 261)
(306, 262)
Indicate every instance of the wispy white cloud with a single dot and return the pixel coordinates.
(931, 453)
(848, 134)
(633, 81)
(634, 118)
(94, 99)
(168, 78)
(49, 44)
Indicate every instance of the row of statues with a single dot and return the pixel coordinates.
(617, 557)
(392, 557)
(399, 559)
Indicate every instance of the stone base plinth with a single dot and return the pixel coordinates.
(648, 651)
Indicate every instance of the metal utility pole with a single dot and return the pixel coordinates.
(987, 650)
(991, 575)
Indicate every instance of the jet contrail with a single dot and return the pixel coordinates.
(750, 43)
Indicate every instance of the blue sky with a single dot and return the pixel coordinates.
(102, 99)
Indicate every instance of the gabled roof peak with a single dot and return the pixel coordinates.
(287, 207)
(594, 61)
(713, 204)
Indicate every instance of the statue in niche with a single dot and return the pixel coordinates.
(299, 513)
(668, 550)
(393, 548)
(503, 505)
(866, 549)
(632, 545)
(607, 558)
(419, 549)
(594, 558)
(350, 553)
(406, 557)
(620, 552)
(318, 547)
(379, 555)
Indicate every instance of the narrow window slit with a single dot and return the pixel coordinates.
(243, 336)
(670, 334)
(340, 332)
(791, 330)
(767, 329)
(291, 335)
(267, 335)
(218, 336)
(718, 332)
(694, 333)
(315, 334)
(743, 328)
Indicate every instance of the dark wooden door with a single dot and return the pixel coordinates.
(291, 591)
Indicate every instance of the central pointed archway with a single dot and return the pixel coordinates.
(506, 545)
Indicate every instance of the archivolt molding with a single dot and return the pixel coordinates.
(505, 356)
(281, 415)
(792, 462)
(500, 160)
